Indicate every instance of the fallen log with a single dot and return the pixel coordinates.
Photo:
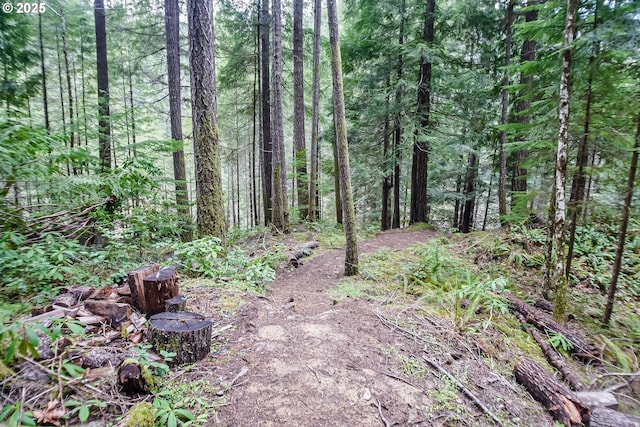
(581, 349)
(604, 417)
(135, 280)
(593, 399)
(158, 288)
(184, 333)
(115, 313)
(554, 358)
(564, 406)
(300, 251)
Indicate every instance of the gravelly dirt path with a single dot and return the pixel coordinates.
(312, 362)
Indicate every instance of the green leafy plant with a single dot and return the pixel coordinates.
(560, 343)
(169, 413)
(14, 416)
(144, 358)
(83, 409)
(20, 338)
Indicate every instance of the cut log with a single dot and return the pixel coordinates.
(554, 358)
(175, 304)
(300, 251)
(604, 417)
(581, 350)
(135, 280)
(158, 288)
(116, 313)
(564, 406)
(184, 333)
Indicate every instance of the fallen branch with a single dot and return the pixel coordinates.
(553, 357)
(386, 422)
(464, 390)
(300, 251)
(564, 406)
(394, 326)
(581, 350)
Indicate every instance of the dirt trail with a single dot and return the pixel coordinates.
(312, 362)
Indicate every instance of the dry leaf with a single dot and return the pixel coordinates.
(51, 415)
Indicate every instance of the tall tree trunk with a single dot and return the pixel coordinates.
(280, 200)
(104, 121)
(582, 159)
(132, 110)
(84, 94)
(336, 171)
(397, 122)
(561, 165)
(521, 156)
(420, 161)
(623, 228)
(62, 108)
(502, 179)
(255, 135)
(265, 94)
(342, 146)
(299, 144)
(206, 145)
(67, 67)
(466, 225)
(387, 175)
(172, 30)
(315, 120)
(45, 99)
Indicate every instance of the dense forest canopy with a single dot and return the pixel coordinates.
(452, 116)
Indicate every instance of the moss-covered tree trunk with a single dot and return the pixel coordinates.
(172, 30)
(561, 165)
(280, 200)
(623, 227)
(315, 120)
(211, 220)
(420, 161)
(299, 144)
(266, 146)
(104, 123)
(342, 147)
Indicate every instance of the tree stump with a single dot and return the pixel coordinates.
(562, 403)
(184, 333)
(135, 280)
(158, 288)
(175, 304)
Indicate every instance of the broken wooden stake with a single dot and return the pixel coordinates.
(184, 333)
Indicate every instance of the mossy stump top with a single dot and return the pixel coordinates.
(184, 333)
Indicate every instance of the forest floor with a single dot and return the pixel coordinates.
(309, 354)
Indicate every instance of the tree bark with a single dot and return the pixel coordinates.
(184, 333)
(564, 406)
(466, 225)
(280, 199)
(623, 228)
(172, 30)
(265, 93)
(67, 66)
(158, 288)
(135, 280)
(603, 417)
(336, 171)
(582, 159)
(520, 157)
(560, 304)
(397, 123)
(104, 121)
(315, 120)
(206, 149)
(502, 180)
(45, 100)
(581, 349)
(420, 161)
(299, 145)
(385, 218)
(342, 147)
